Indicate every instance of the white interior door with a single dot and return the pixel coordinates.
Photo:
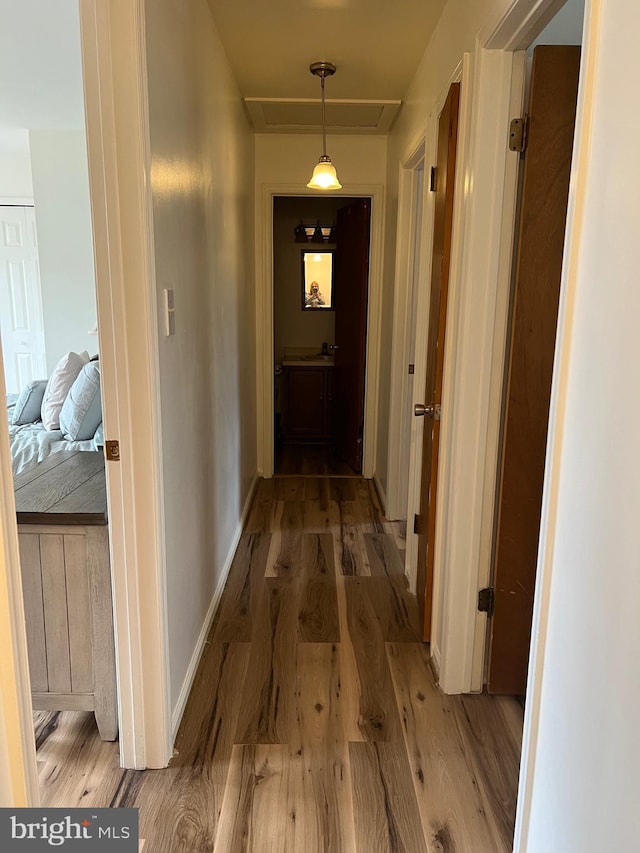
(21, 325)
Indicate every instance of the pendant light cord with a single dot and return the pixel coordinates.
(324, 126)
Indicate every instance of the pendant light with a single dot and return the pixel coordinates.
(324, 175)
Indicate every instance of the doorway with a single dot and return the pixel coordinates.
(411, 257)
(443, 178)
(321, 272)
(553, 68)
(21, 321)
(52, 367)
(129, 373)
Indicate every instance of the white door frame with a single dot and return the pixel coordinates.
(410, 267)
(18, 770)
(114, 59)
(264, 318)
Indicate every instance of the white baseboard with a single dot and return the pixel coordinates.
(181, 704)
(381, 493)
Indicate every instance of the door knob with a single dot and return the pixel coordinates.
(431, 411)
(421, 410)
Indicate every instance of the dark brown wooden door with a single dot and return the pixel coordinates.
(443, 224)
(351, 283)
(543, 214)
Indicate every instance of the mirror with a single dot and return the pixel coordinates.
(317, 279)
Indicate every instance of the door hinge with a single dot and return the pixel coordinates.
(416, 523)
(518, 134)
(486, 600)
(412, 369)
(112, 451)
(432, 179)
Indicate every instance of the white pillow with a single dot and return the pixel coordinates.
(29, 403)
(81, 412)
(59, 385)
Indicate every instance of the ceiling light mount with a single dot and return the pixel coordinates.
(324, 175)
(322, 69)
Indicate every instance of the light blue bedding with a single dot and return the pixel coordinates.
(32, 443)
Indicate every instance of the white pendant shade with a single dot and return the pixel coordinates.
(324, 176)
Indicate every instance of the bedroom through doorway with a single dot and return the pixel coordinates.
(52, 376)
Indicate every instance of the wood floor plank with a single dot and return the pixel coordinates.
(268, 693)
(361, 515)
(384, 801)
(243, 591)
(495, 758)
(317, 489)
(75, 767)
(318, 620)
(368, 496)
(254, 815)
(321, 518)
(319, 777)
(352, 559)
(310, 460)
(289, 488)
(454, 811)
(350, 697)
(395, 607)
(292, 516)
(263, 516)
(265, 491)
(343, 489)
(378, 715)
(208, 727)
(285, 551)
(384, 559)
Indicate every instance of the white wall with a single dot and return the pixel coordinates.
(65, 240)
(202, 184)
(582, 739)
(16, 181)
(290, 158)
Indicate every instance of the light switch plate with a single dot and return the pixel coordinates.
(169, 312)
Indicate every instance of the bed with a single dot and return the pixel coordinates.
(32, 443)
(55, 429)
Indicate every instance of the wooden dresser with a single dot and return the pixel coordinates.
(61, 507)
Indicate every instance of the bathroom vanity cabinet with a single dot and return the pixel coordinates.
(308, 408)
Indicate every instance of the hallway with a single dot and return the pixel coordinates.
(314, 723)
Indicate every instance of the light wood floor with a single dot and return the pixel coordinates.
(314, 724)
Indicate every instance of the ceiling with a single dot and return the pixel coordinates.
(375, 44)
(40, 65)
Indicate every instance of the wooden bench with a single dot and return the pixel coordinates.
(61, 508)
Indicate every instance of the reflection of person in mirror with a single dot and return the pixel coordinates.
(313, 299)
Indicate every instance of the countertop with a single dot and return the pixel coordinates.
(306, 357)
